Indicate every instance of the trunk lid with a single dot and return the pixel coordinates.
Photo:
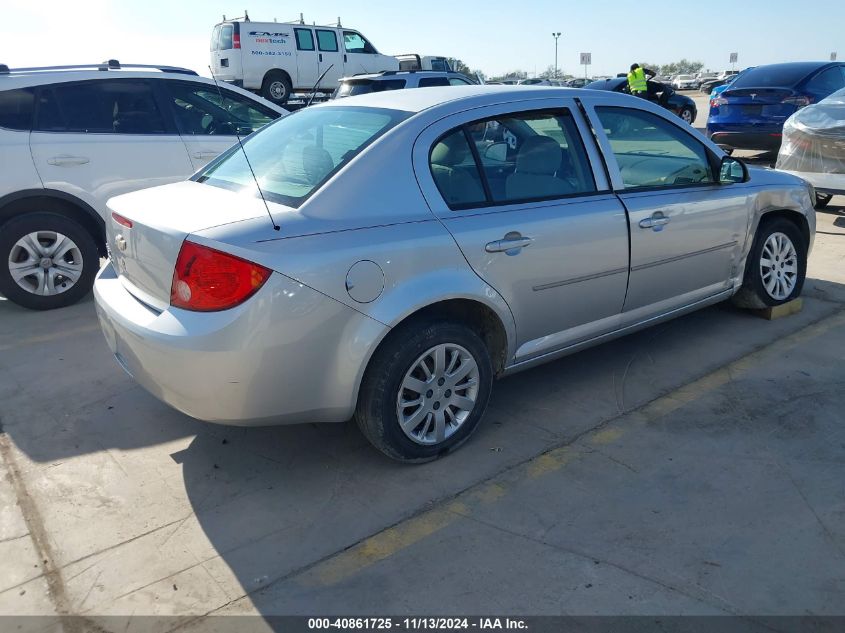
(144, 255)
(765, 103)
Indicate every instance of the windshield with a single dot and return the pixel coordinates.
(294, 156)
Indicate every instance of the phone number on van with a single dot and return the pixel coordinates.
(284, 53)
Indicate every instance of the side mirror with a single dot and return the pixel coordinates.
(497, 152)
(732, 170)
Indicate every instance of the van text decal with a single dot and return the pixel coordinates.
(267, 34)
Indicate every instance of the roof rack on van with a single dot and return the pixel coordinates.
(109, 64)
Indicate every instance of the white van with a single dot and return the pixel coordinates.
(278, 58)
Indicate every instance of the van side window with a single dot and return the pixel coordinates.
(226, 32)
(304, 39)
(16, 109)
(120, 106)
(327, 41)
(355, 43)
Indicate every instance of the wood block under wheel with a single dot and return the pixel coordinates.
(783, 310)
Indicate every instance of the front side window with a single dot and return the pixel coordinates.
(16, 109)
(355, 43)
(523, 157)
(115, 106)
(304, 39)
(298, 153)
(226, 32)
(652, 152)
(201, 109)
(327, 41)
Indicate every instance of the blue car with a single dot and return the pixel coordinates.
(751, 111)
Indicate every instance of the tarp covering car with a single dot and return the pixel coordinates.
(814, 138)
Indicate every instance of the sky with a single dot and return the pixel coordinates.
(494, 36)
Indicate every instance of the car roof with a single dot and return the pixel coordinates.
(390, 74)
(41, 77)
(420, 99)
(796, 66)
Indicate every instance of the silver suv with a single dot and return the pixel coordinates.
(398, 80)
(73, 136)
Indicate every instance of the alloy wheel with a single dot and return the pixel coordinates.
(437, 394)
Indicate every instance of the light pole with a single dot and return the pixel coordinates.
(555, 35)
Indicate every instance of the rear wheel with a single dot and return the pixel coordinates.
(822, 200)
(276, 87)
(687, 116)
(46, 260)
(425, 390)
(776, 266)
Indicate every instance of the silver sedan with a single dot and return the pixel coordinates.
(385, 257)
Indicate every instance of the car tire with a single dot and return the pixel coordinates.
(385, 390)
(687, 116)
(822, 200)
(776, 266)
(27, 278)
(276, 87)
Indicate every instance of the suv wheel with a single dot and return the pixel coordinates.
(776, 266)
(425, 390)
(46, 261)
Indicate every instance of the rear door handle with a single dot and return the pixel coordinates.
(68, 161)
(656, 222)
(321, 57)
(512, 244)
(205, 154)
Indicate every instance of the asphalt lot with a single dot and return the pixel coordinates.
(697, 467)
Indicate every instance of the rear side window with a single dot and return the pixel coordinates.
(427, 82)
(457, 81)
(106, 107)
(226, 32)
(327, 41)
(16, 109)
(827, 81)
(297, 154)
(304, 39)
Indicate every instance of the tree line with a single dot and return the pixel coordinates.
(682, 67)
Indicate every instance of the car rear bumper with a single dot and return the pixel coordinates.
(287, 355)
(761, 141)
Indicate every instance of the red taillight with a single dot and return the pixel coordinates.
(206, 280)
(718, 101)
(798, 101)
(236, 40)
(121, 220)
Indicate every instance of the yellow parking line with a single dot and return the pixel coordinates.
(394, 539)
(34, 340)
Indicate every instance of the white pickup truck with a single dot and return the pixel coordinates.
(276, 59)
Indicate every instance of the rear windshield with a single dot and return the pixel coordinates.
(364, 86)
(294, 156)
(771, 76)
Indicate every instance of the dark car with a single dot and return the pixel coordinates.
(577, 82)
(751, 112)
(659, 93)
(398, 80)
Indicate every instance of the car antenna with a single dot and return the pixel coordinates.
(276, 227)
(314, 89)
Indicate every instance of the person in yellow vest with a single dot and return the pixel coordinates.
(638, 80)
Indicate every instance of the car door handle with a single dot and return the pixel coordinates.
(657, 221)
(68, 161)
(321, 57)
(205, 154)
(512, 244)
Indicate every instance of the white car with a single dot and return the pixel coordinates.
(73, 137)
(685, 82)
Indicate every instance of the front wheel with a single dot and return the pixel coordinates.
(46, 260)
(425, 390)
(776, 266)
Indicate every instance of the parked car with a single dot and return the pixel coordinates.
(72, 137)
(685, 82)
(274, 59)
(578, 82)
(535, 81)
(398, 80)
(814, 146)
(659, 93)
(413, 61)
(415, 260)
(750, 113)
